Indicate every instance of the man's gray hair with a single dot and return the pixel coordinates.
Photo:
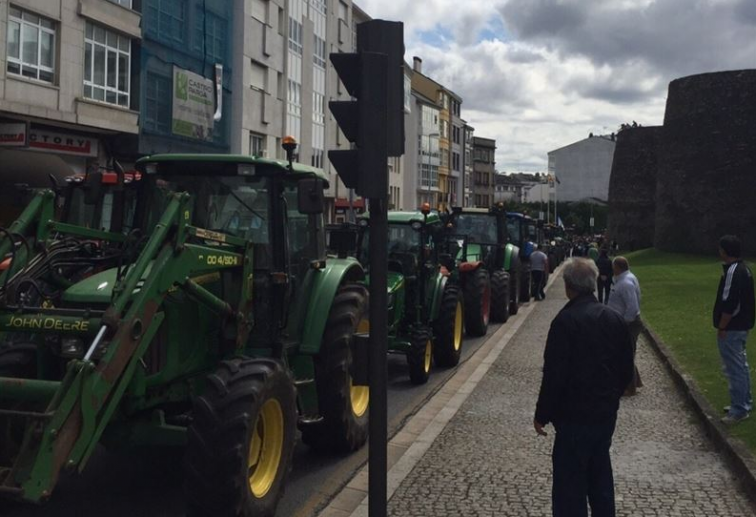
(580, 275)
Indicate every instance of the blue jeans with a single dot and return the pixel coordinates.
(732, 349)
(583, 470)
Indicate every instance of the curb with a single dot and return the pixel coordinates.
(738, 457)
(412, 441)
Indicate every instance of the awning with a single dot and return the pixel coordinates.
(31, 169)
(341, 202)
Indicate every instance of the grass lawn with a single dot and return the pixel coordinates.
(678, 296)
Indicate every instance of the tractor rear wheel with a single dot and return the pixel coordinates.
(241, 441)
(448, 328)
(420, 355)
(514, 290)
(343, 406)
(477, 302)
(17, 361)
(500, 296)
(525, 281)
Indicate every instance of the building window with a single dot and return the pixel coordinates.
(256, 145)
(157, 113)
(164, 19)
(31, 46)
(295, 36)
(343, 10)
(107, 66)
(407, 94)
(455, 161)
(210, 33)
(319, 56)
(124, 3)
(317, 158)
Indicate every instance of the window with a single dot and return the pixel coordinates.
(107, 66)
(31, 46)
(319, 56)
(258, 76)
(164, 20)
(295, 36)
(407, 94)
(455, 161)
(124, 3)
(256, 145)
(157, 113)
(260, 10)
(343, 10)
(317, 158)
(210, 33)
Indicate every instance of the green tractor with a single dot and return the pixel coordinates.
(522, 230)
(487, 251)
(425, 310)
(213, 321)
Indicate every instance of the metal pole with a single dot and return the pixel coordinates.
(377, 364)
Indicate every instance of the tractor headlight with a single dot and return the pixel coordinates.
(72, 348)
(417, 225)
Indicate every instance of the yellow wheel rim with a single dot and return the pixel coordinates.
(458, 327)
(360, 395)
(265, 448)
(428, 355)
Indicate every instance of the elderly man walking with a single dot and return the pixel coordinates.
(625, 298)
(588, 362)
(733, 318)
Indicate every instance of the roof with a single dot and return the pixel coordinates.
(481, 211)
(222, 162)
(597, 138)
(397, 217)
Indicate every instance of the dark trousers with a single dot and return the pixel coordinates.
(635, 328)
(583, 470)
(604, 288)
(538, 286)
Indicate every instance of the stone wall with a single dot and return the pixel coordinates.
(706, 184)
(632, 188)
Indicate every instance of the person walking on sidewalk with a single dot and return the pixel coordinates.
(625, 298)
(604, 282)
(733, 318)
(539, 264)
(588, 362)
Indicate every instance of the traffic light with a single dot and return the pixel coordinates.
(375, 90)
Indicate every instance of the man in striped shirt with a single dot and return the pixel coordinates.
(733, 317)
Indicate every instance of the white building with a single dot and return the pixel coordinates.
(583, 169)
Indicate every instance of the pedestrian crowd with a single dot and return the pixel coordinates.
(589, 365)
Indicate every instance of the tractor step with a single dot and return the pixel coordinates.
(303, 382)
(310, 421)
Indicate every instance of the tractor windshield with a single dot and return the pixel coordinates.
(478, 228)
(98, 214)
(234, 205)
(513, 228)
(402, 239)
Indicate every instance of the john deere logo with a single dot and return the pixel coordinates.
(182, 86)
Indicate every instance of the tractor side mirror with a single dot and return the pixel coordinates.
(92, 188)
(310, 198)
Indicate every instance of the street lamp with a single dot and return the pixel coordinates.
(430, 152)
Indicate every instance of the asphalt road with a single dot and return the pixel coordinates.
(149, 483)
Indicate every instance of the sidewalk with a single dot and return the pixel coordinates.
(486, 460)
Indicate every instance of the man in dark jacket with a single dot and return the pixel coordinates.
(733, 317)
(604, 282)
(588, 362)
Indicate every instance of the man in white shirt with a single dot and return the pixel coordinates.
(625, 299)
(538, 264)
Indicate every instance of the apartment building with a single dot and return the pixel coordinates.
(467, 166)
(484, 168)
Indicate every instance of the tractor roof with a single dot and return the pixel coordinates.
(222, 164)
(397, 217)
(481, 211)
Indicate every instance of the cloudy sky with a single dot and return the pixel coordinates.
(540, 74)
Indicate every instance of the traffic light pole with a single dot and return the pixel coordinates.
(378, 364)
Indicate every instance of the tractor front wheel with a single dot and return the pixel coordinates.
(420, 355)
(500, 296)
(241, 441)
(449, 325)
(343, 406)
(477, 302)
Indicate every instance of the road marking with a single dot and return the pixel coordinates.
(411, 443)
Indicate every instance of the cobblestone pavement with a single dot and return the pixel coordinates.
(489, 462)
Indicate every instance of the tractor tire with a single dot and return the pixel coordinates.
(344, 407)
(447, 343)
(17, 361)
(477, 302)
(500, 296)
(241, 440)
(514, 291)
(420, 355)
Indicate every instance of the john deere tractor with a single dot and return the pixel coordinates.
(213, 321)
(425, 310)
(488, 251)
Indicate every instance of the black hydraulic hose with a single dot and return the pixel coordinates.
(13, 256)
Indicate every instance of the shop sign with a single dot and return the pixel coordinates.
(193, 105)
(62, 143)
(13, 134)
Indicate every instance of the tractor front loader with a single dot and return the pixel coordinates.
(214, 323)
